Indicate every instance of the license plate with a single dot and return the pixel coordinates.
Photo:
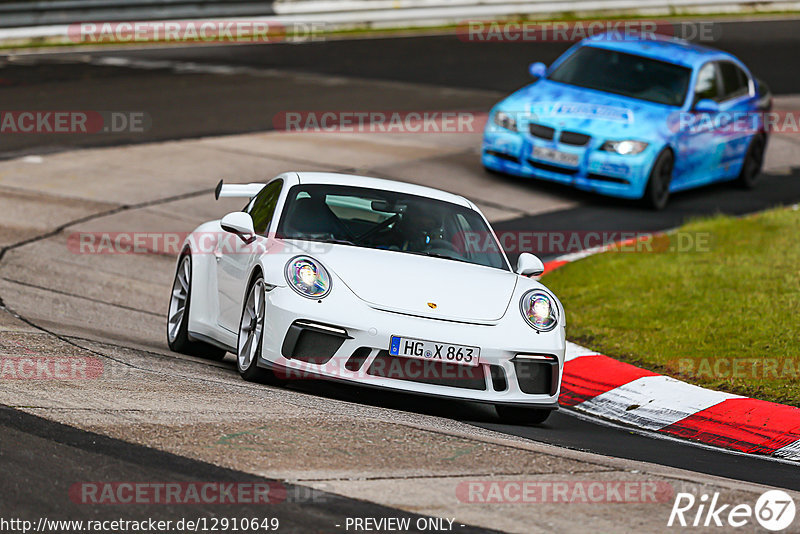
(435, 352)
(555, 156)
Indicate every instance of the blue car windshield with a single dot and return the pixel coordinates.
(625, 74)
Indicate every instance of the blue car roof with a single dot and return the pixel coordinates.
(656, 46)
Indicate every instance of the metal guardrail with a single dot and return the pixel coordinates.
(69, 11)
(49, 19)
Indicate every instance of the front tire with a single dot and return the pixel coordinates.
(519, 415)
(251, 336)
(753, 161)
(178, 316)
(656, 194)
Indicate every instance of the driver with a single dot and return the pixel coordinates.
(417, 229)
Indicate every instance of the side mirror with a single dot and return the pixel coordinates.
(239, 223)
(538, 69)
(706, 106)
(529, 265)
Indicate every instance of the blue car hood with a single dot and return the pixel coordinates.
(592, 112)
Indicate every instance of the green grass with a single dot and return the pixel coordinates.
(695, 315)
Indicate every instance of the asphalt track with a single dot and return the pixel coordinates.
(566, 430)
(39, 460)
(201, 104)
(451, 60)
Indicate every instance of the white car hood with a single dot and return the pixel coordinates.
(407, 283)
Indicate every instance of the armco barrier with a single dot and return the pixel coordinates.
(50, 18)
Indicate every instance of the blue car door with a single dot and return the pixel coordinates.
(700, 143)
(737, 106)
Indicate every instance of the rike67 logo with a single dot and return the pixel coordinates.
(774, 510)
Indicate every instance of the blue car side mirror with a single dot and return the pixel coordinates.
(706, 106)
(538, 69)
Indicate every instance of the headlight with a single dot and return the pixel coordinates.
(624, 147)
(539, 310)
(504, 120)
(307, 277)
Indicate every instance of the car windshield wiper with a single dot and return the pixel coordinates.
(339, 242)
(438, 255)
(326, 240)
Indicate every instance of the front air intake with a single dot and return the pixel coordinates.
(357, 359)
(537, 374)
(499, 382)
(427, 372)
(314, 343)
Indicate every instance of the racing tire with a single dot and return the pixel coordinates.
(251, 336)
(753, 161)
(656, 194)
(178, 316)
(519, 415)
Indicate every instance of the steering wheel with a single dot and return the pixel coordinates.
(443, 244)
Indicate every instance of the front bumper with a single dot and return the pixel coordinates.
(361, 356)
(598, 171)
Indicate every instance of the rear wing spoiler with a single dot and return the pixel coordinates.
(237, 190)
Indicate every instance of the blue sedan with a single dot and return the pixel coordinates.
(633, 118)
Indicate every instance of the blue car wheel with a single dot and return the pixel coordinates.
(656, 194)
(751, 167)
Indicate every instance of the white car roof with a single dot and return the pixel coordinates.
(379, 183)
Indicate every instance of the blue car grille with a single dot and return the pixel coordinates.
(567, 137)
(542, 132)
(573, 138)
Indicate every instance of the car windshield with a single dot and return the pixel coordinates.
(625, 74)
(373, 218)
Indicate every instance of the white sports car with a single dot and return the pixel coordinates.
(369, 281)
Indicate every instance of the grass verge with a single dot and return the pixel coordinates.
(724, 314)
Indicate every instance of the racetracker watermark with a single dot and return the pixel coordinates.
(173, 243)
(570, 241)
(492, 31)
(171, 493)
(745, 368)
(50, 368)
(73, 122)
(735, 122)
(380, 121)
(471, 243)
(432, 368)
(196, 31)
(563, 492)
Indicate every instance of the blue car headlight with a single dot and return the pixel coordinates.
(505, 120)
(307, 277)
(539, 310)
(626, 147)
